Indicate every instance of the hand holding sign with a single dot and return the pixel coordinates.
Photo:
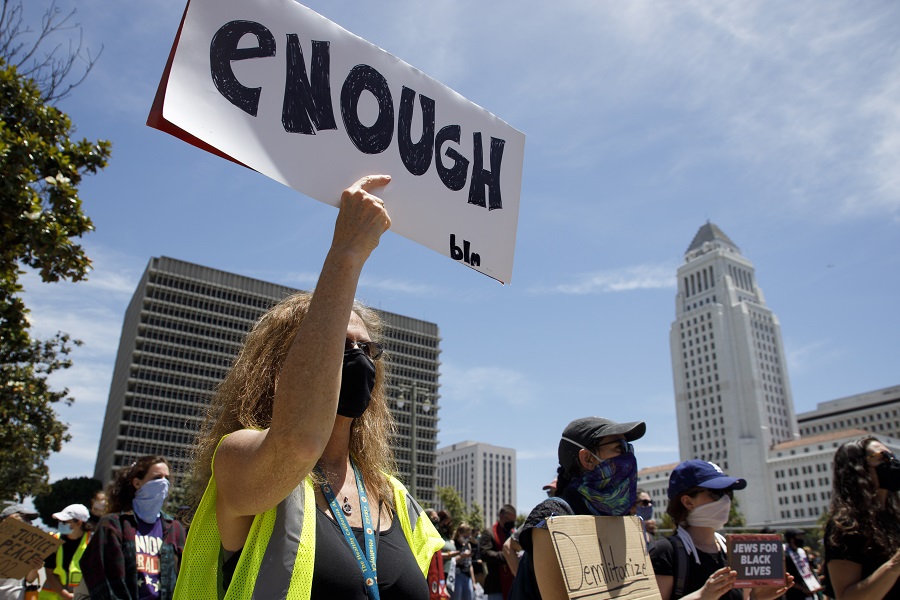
(362, 218)
(719, 583)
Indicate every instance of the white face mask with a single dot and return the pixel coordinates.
(711, 514)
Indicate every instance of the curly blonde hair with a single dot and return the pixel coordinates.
(245, 397)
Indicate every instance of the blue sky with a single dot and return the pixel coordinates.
(779, 122)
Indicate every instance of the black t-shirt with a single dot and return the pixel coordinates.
(856, 548)
(337, 574)
(525, 585)
(69, 548)
(664, 557)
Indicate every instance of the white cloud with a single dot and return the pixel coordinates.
(472, 387)
(626, 279)
(400, 286)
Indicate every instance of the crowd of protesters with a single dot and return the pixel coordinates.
(294, 495)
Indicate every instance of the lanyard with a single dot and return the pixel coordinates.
(367, 564)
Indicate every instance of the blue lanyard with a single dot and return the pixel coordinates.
(367, 564)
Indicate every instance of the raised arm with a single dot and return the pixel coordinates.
(255, 470)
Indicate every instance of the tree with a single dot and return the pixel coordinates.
(66, 491)
(41, 167)
(736, 518)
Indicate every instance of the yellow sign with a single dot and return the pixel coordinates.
(603, 557)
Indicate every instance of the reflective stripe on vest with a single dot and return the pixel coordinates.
(71, 578)
(281, 544)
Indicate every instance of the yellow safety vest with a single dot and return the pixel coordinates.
(287, 530)
(71, 578)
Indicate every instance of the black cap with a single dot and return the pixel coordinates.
(587, 432)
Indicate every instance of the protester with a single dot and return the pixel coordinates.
(643, 508)
(463, 586)
(499, 577)
(63, 568)
(135, 550)
(550, 488)
(700, 496)
(98, 507)
(862, 536)
(295, 455)
(12, 588)
(448, 550)
(798, 564)
(597, 475)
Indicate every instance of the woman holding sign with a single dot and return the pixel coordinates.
(862, 537)
(293, 461)
(597, 475)
(693, 563)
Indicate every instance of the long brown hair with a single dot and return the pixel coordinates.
(245, 397)
(855, 508)
(120, 493)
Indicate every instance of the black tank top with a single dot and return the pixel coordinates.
(337, 575)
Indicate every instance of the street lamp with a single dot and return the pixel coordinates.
(413, 433)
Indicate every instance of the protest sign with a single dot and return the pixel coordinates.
(274, 86)
(757, 558)
(603, 557)
(23, 547)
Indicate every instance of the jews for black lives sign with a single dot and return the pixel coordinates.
(277, 87)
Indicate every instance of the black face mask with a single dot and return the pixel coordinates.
(357, 381)
(889, 475)
(508, 526)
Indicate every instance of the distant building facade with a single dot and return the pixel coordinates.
(480, 473)
(182, 329)
(733, 398)
(877, 411)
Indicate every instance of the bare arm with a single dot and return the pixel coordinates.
(511, 553)
(848, 584)
(717, 585)
(255, 470)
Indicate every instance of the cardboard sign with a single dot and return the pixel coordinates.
(603, 557)
(23, 547)
(274, 86)
(757, 558)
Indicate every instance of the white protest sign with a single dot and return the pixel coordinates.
(281, 89)
(603, 557)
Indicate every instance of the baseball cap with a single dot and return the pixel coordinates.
(588, 431)
(20, 509)
(73, 511)
(700, 473)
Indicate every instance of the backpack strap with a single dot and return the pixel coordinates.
(681, 566)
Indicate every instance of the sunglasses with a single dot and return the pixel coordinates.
(624, 445)
(717, 494)
(645, 502)
(373, 350)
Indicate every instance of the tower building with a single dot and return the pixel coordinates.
(481, 473)
(182, 329)
(732, 393)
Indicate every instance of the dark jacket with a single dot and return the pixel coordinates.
(109, 563)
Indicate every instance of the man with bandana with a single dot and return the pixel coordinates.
(597, 475)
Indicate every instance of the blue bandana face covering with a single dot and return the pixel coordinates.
(611, 488)
(148, 500)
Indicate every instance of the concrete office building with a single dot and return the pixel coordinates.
(182, 329)
(877, 412)
(480, 473)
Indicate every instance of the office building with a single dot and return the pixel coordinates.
(733, 397)
(480, 473)
(877, 411)
(182, 329)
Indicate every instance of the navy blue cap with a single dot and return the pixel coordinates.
(700, 473)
